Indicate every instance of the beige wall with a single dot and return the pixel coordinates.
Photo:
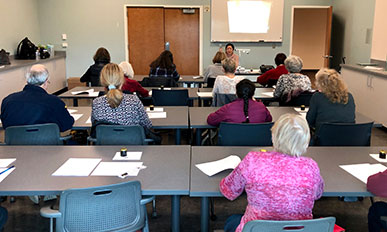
(19, 19)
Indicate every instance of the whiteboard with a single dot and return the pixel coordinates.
(241, 20)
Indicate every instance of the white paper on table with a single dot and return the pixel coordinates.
(205, 94)
(196, 77)
(6, 162)
(376, 156)
(363, 171)
(298, 109)
(5, 174)
(118, 168)
(211, 168)
(77, 167)
(83, 91)
(94, 94)
(165, 88)
(76, 116)
(71, 111)
(158, 109)
(269, 94)
(88, 121)
(157, 114)
(130, 155)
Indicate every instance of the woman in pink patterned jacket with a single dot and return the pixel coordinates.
(280, 184)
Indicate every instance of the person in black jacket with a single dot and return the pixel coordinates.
(101, 58)
(34, 105)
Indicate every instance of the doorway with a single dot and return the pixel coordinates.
(311, 35)
(150, 28)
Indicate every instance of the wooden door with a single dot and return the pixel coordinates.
(149, 28)
(145, 37)
(311, 36)
(182, 33)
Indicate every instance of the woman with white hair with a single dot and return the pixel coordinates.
(293, 82)
(226, 83)
(131, 85)
(280, 184)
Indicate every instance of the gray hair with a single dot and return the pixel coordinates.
(293, 64)
(229, 65)
(290, 135)
(37, 75)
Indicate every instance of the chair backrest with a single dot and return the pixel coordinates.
(178, 97)
(314, 225)
(105, 208)
(158, 82)
(38, 134)
(302, 99)
(210, 82)
(245, 134)
(120, 135)
(344, 134)
(221, 99)
(271, 82)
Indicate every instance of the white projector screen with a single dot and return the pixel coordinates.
(246, 20)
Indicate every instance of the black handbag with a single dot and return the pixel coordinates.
(4, 57)
(26, 49)
(265, 68)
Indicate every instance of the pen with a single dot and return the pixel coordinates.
(7, 169)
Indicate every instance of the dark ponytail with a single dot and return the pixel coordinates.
(245, 89)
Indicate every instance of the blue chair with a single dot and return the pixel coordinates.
(116, 207)
(343, 134)
(245, 134)
(314, 225)
(221, 99)
(3, 217)
(38, 134)
(177, 97)
(119, 135)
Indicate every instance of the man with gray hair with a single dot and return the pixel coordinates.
(34, 105)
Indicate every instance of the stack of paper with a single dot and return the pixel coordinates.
(376, 157)
(89, 91)
(5, 162)
(157, 114)
(158, 109)
(76, 116)
(205, 94)
(363, 171)
(130, 155)
(211, 168)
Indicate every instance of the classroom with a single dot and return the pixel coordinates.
(77, 28)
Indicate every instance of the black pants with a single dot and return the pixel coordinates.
(377, 210)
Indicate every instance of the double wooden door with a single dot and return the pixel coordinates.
(150, 28)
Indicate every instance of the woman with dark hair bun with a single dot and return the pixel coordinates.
(243, 110)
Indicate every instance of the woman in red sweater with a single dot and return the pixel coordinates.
(273, 74)
(129, 84)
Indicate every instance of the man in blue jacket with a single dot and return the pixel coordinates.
(34, 105)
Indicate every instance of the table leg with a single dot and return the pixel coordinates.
(75, 102)
(175, 214)
(205, 215)
(198, 137)
(178, 137)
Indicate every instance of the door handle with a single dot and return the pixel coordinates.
(327, 57)
(167, 46)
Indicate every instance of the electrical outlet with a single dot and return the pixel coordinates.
(65, 45)
(64, 37)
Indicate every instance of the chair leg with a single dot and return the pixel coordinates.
(212, 210)
(51, 224)
(154, 213)
(372, 200)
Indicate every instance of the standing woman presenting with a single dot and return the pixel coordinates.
(230, 53)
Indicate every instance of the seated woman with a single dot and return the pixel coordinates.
(280, 184)
(215, 69)
(231, 55)
(129, 84)
(294, 82)
(271, 76)
(333, 102)
(163, 66)
(226, 83)
(244, 109)
(116, 107)
(101, 58)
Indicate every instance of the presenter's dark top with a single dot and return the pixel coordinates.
(322, 110)
(92, 74)
(34, 105)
